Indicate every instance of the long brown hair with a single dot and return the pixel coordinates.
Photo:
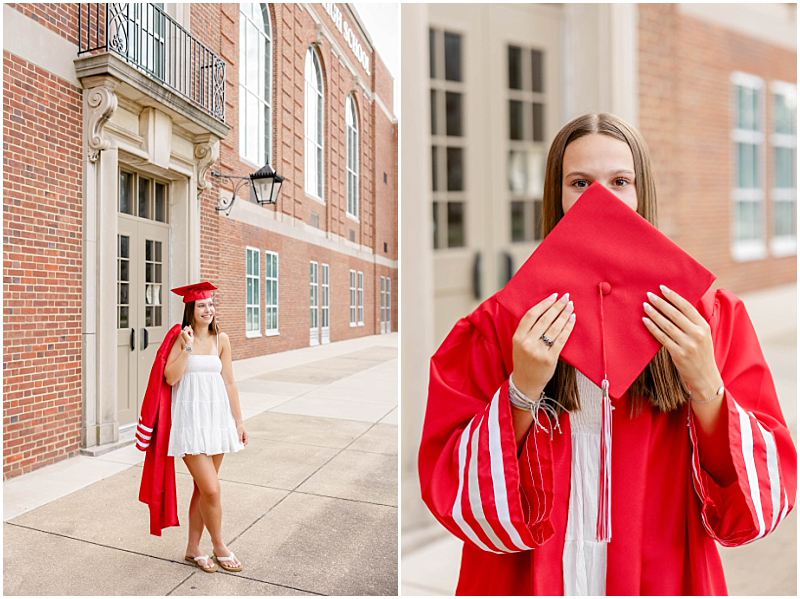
(188, 318)
(659, 383)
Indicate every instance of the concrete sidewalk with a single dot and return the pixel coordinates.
(309, 506)
(431, 556)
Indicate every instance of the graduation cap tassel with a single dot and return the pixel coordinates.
(604, 492)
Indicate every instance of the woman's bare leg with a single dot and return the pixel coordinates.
(205, 509)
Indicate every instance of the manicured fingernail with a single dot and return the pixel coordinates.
(564, 298)
(569, 305)
(665, 289)
(647, 320)
(652, 297)
(552, 297)
(647, 307)
(572, 317)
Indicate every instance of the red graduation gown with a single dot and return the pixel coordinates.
(152, 436)
(511, 511)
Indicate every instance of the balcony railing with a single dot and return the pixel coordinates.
(150, 40)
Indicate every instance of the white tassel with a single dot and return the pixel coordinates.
(604, 494)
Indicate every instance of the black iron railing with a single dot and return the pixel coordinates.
(149, 39)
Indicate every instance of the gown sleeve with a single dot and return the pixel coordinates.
(763, 456)
(468, 464)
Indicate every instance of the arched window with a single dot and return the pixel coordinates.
(314, 128)
(351, 119)
(255, 83)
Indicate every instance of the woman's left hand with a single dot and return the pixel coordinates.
(240, 430)
(686, 335)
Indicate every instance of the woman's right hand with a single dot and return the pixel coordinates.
(187, 336)
(535, 361)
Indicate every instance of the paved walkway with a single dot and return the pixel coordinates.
(310, 505)
(431, 556)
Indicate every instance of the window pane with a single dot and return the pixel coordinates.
(435, 168)
(515, 124)
(538, 122)
(455, 224)
(455, 174)
(144, 195)
(453, 102)
(784, 212)
(452, 57)
(125, 193)
(123, 246)
(432, 52)
(517, 221)
(784, 168)
(434, 126)
(537, 71)
(436, 225)
(514, 67)
(160, 203)
(517, 171)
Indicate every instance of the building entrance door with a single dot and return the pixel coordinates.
(142, 284)
(313, 280)
(494, 107)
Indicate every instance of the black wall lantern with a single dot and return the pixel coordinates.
(266, 184)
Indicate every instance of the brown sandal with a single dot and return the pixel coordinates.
(230, 558)
(209, 569)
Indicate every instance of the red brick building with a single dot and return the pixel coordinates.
(115, 120)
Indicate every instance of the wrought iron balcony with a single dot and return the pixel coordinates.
(149, 39)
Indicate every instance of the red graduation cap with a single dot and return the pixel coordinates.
(607, 257)
(195, 291)
(601, 243)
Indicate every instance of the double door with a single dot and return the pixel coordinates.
(142, 318)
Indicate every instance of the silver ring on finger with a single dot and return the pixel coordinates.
(547, 341)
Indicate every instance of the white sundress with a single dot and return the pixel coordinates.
(584, 557)
(202, 421)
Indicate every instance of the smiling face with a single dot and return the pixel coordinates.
(600, 158)
(204, 311)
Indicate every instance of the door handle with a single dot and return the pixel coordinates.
(508, 262)
(133, 339)
(476, 276)
(145, 339)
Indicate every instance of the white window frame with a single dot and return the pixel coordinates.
(267, 305)
(353, 299)
(325, 303)
(783, 245)
(314, 127)
(360, 298)
(388, 305)
(256, 332)
(259, 97)
(314, 331)
(351, 160)
(756, 249)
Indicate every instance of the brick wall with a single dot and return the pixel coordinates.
(685, 115)
(42, 261)
(57, 17)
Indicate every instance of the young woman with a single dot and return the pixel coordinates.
(689, 468)
(206, 418)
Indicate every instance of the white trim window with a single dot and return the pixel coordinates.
(313, 280)
(360, 299)
(314, 129)
(271, 293)
(325, 308)
(784, 169)
(255, 83)
(253, 299)
(748, 151)
(351, 121)
(353, 300)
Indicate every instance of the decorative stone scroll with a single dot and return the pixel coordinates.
(206, 151)
(103, 102)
